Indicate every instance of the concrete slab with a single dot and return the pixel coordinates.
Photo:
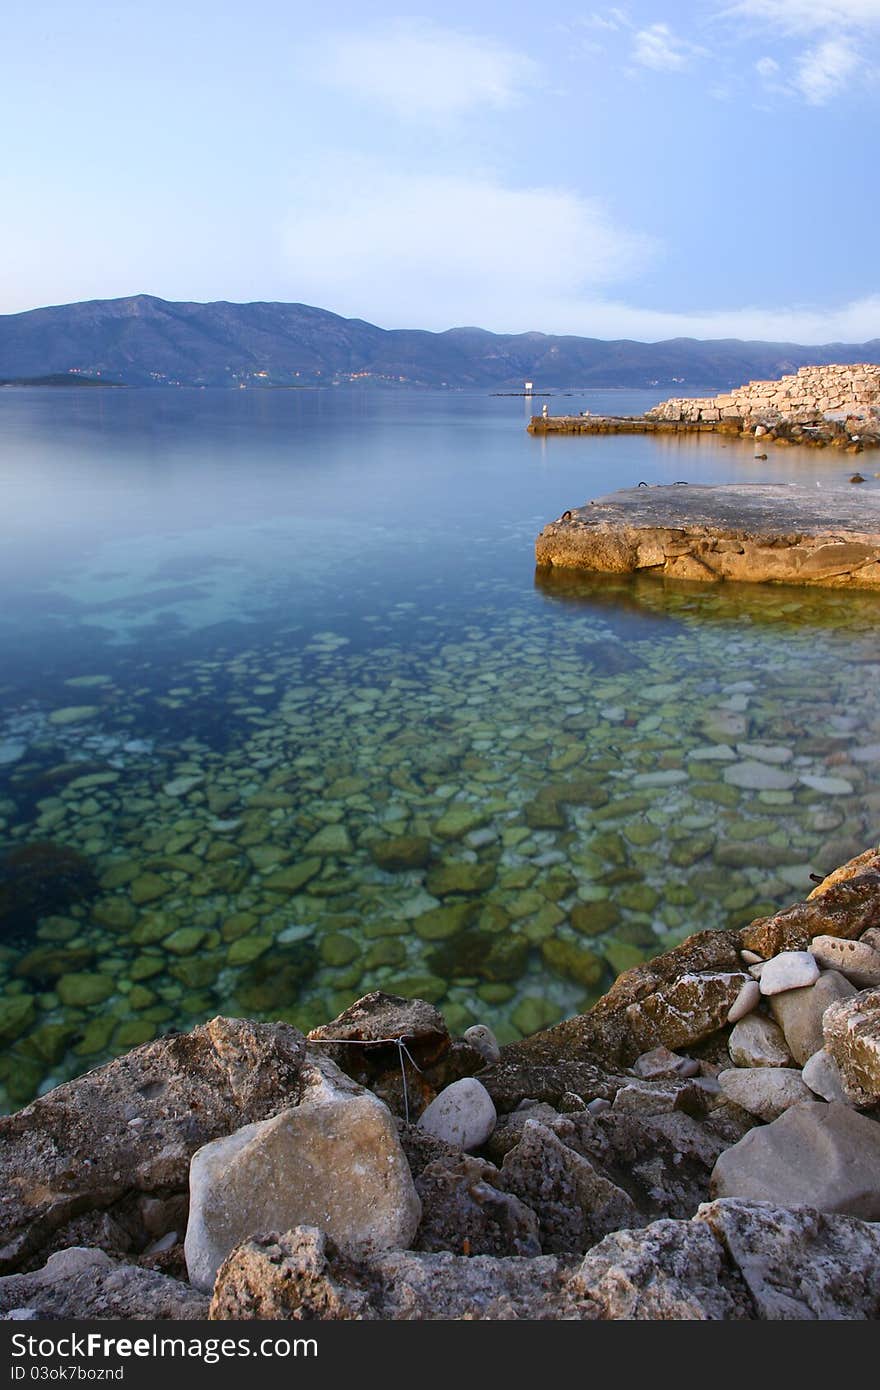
(785, 533)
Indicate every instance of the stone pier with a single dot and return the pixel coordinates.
(778, 533)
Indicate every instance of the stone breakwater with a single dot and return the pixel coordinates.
(703, 1144)
(773, 533)
(833, 403)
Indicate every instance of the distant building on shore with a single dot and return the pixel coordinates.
(529, 385)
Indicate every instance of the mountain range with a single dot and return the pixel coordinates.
(145, 341)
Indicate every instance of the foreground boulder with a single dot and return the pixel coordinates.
(334, 1159)
(89, 1155)
(852, 1037)
(819, 1155)
(733, 1261)
(301, 1275)
(80, 1283)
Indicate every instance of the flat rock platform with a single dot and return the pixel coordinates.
(786, 533)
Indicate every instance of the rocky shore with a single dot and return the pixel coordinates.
(752, 532)
(704, 1144)
(834, 404)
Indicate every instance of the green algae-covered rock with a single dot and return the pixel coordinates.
(337, 949)
(592, 919)
(96, 1037)
(428, 987)
(446, 879)
(46, 963)
(80, 990)
(387, 951)
(17, 1013)
(500, 957)
(248, 948)
(440, 922)
(572, 960)
(195, 971)
(146, 888)
(458, 821)
(534, 1012)
(622, 955)
(401, 853)
(291, 879)
(145, 967)
(133, 1033)
(332, 839)
(185, 941)
(115, 913)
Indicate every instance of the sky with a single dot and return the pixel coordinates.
(649, 170)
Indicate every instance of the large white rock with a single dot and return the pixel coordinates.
(764, 1091)
(815, 1155)
(822, 1074)
(333, 1161)
(789, 970)
(757, 1041)
(462, 1115)
(857, 960)
(747, 999)
(799, 1012)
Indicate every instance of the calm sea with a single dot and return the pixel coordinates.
(286, 715)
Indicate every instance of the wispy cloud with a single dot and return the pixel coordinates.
(810, 16)
(856, 322)
(437, 250)
(767, 67)
(421, 70)
(824, 70)
(659, 48)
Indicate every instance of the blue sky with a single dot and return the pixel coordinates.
(648, 170)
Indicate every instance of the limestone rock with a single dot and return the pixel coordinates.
(302, 1276)
(822, 1074)
(747, 999)
(629, 1019)
(74, 1150)
(483, 1040)
(670, 1271)
(574, 1203)
(462, 1114)
(867, 862)
(788, 970)
(465, 1210)
(334, 1158)
(817, 1155)
(660, 1064)
(799, 1012)
(758, 1042)
(858, 961)
(81, 1283)
(843, 906)
(373, 1021)
(764, 1091)
(686, 1010)
(800, 1264)
(852, 1036)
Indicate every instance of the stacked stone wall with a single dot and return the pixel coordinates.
(809, 396)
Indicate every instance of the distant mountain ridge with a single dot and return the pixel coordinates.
(145, 341)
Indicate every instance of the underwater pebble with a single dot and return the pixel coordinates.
(829, 786)
(754, 776)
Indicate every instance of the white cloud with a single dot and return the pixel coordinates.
(420, 69)
(766, 67)
(658, 48)
(434, 251)
(856, 322)
(438, 252)
(823, 71)
(809, 16)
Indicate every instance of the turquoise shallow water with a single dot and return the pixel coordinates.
(286, 714)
